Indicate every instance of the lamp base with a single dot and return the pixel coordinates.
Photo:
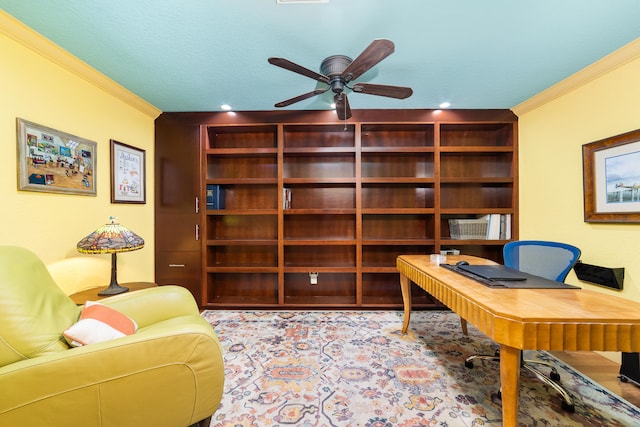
(113, 289)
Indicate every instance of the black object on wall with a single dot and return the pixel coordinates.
(603, 276)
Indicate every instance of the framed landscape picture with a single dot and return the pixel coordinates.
(611, 169)
(55, 162)
(127, 174)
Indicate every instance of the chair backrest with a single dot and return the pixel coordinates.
(551, 260)
(34, 311)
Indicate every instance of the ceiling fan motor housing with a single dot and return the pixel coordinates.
(332, 67)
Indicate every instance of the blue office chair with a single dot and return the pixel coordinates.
(553, 261)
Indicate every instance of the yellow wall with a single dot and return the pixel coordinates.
(41, 83)
(551, 191)
(38, 84)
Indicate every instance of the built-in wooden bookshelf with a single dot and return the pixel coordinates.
(301, 192)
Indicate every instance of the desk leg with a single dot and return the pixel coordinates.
(405, 286)
(510, 383)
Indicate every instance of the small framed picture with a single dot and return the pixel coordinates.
(55, 162)
(611, 169)
(127, 174)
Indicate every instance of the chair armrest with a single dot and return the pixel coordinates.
(171, 371)
(153, 305)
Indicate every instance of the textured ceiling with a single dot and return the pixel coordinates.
(194, 55)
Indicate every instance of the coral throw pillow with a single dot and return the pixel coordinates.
(99, 323)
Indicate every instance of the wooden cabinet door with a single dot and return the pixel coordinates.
(178, 204)
(180, 268)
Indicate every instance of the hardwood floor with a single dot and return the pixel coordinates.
(602, 370)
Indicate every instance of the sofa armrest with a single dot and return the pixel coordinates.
(149, 306)
(166, 374)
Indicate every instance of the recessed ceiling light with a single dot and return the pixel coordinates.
(301, 1)
(445, 105)
(226, 107)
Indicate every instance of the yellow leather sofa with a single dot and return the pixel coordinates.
(168, 373)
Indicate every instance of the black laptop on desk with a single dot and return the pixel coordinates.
(499, 276)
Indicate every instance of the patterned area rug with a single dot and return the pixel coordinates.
(356, 369)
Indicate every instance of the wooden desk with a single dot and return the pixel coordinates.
(92, 293)
(524, 319)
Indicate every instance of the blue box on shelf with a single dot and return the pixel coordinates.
(215, 196)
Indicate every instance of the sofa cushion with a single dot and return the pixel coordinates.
(99, 323)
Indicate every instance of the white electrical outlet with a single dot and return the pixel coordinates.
(313, 277)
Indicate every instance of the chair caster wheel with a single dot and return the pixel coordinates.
(569, 408)
(468, 364)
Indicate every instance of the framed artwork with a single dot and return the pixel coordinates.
(611, 169)
(127, 174)
(55, 162)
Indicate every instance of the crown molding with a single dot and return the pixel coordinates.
(27, 37)
(617, 58)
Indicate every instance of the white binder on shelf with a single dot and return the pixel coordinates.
(505, 227)
(498, 226)
(493, 229)
(286, 198)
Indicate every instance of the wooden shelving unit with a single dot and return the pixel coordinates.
(240, 250)
(304, 193)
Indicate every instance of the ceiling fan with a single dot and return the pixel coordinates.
(338, 70)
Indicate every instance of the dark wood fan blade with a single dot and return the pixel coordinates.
(374, 53)
(399, 92)
(300, 97)
(292, 66)
(342, 106)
